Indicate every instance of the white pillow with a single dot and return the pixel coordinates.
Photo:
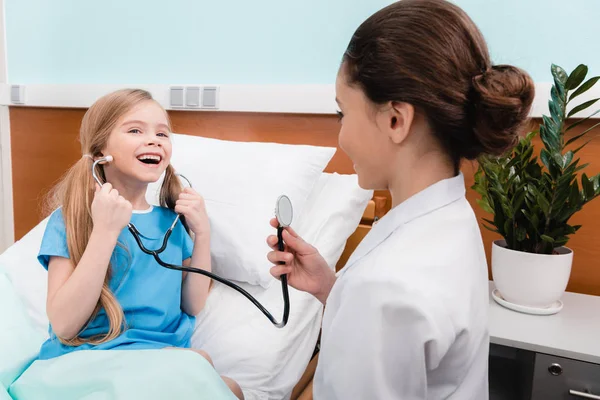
(28, 277)
(240, 182)
(20, 341)
(268, 362)
(332, 213)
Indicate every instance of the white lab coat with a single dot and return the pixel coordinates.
(407, 317)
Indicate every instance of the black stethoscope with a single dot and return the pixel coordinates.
(283, 213)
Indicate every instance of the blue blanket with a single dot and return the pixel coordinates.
(125, 374)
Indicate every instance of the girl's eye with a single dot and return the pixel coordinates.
(135, 131)
(340, 115)
(162, 134)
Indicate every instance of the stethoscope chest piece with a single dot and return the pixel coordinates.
(284, 211)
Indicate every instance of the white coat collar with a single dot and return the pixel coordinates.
(436, 196)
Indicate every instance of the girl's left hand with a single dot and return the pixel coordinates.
(191, 205)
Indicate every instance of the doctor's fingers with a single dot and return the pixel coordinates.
(279, 270)
(295, 244)
(272, 242)
(280, 256)
(275, 224)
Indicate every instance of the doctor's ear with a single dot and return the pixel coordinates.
(397, 120)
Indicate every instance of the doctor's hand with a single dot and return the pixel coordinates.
(191, 205)
(306, 269)
(111, 212)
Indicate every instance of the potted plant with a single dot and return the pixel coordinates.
(533, 194)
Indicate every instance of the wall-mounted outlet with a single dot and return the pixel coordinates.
(176, 96)
(192, 96)
(210, 97)
(17, 94)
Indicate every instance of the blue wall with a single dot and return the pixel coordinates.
(258, 42)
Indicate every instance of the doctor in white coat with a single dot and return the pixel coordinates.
(406, 318)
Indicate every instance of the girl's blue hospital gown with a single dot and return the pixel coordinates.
(149, 294)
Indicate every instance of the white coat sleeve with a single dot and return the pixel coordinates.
(391, 340)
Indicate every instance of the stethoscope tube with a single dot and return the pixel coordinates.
(154, 253)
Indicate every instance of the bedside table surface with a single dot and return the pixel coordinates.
(573, 333)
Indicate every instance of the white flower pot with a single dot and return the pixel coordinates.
(527, 279)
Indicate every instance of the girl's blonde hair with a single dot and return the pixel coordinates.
(75, 192)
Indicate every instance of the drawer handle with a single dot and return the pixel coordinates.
(583, 395)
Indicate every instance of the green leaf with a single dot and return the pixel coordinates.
(518, 200)
(569, 230)
(582, 107)
(560, 89)
(545, 156)
(485, 205)
(562, 195)
(596, 182)
(555, 97)
(558, 159)
(507, 228)
(576, 77)
(541, 200)
(575, 124)
(489, 221)
(534, 170)
(585, 87)
(579, 168)
(575, 196)
(561, 241)
(508, 212)
(565, 214)
(587, 186)
(550, 124)
(559, 74)
(555, 111)
(490, 228)
(549, 140)
(568, 157)
(520, 234)
(547, 239)
(568, 174)
(532, 218)
(582, 134)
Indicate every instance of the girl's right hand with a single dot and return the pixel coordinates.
(110, 211)
(306, 269)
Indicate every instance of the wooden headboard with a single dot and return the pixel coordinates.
(44, 144)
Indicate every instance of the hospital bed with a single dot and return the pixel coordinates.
(269, 363)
